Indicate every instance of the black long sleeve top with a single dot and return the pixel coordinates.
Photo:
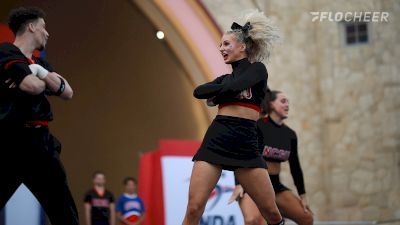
(245, 86)
(17, 106)
(280, 145)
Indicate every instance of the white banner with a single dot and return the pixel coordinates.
(23, 208)
(176, 171)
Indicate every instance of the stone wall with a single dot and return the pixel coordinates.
(345, 103)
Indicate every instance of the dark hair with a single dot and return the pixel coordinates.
(19, 17)
(97, 172)
(127, 179)
(270, 96)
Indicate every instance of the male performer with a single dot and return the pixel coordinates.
(29, 153)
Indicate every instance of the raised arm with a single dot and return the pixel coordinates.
(55, 83)
(237, 83)
(32, 85)
(22, 77)
(209, 89)
(254, 74)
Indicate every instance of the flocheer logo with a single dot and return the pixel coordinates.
(350, 16)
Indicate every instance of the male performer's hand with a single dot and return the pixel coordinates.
(236, 194)
(52, 80)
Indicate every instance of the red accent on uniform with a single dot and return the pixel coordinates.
(248, 105)
(132, 219)
(13, 61)
(39, 122)
(31, 61)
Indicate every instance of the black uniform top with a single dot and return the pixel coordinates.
(100, 205)
(280, 144)
(246, 86)
(17, 106)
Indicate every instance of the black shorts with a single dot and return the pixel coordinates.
(232, 143)
(277, 185)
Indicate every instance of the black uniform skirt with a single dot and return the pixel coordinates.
(232, 143)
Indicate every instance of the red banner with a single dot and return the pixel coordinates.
(5, 34)
(150, 177)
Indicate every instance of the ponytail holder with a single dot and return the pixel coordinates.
(245, 28)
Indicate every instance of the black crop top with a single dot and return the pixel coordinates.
(246, 86)
(280, 144)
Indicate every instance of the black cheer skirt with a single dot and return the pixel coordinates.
(232, 143)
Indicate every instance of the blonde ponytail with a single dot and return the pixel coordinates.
(259, 34)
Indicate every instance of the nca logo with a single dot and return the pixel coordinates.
(218, 220)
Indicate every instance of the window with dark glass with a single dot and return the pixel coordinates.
(356, 33)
